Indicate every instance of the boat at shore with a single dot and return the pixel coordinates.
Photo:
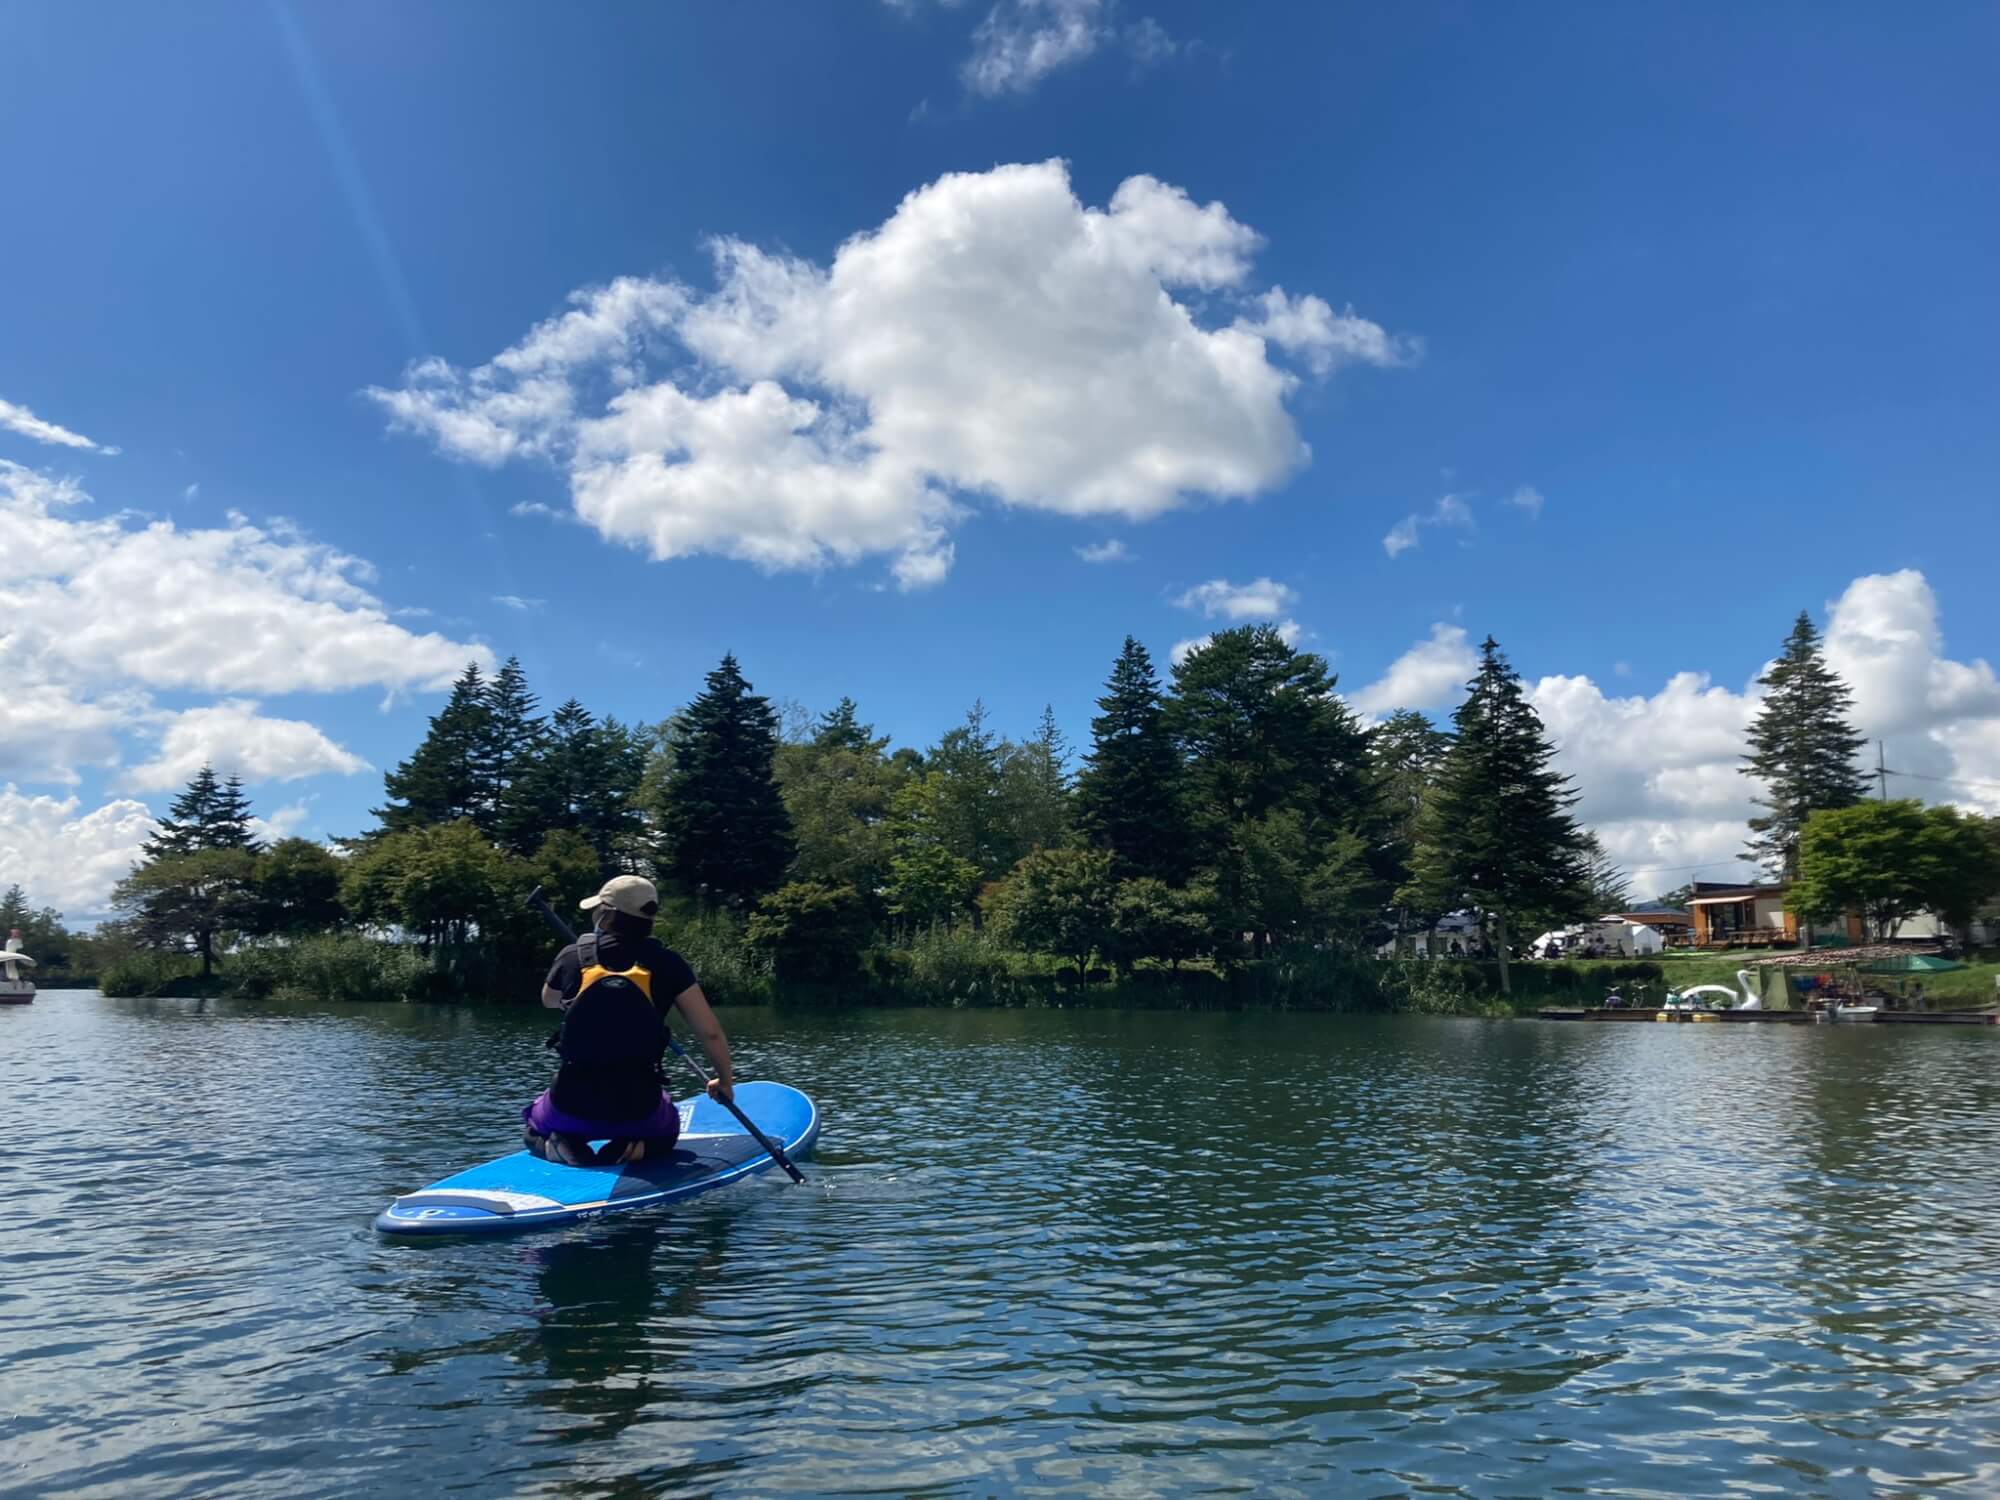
(17, 987)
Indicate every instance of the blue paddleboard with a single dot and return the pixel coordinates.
(524, 1192)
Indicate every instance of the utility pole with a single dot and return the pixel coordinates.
(1881, 774)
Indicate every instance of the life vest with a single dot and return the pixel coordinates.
(611, 1041)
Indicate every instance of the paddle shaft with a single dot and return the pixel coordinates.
(540, 904)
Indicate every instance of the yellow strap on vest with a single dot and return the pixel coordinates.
(639, 974)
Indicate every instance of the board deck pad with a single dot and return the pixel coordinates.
(522, 1191)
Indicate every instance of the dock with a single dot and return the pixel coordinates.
(1776, 1017)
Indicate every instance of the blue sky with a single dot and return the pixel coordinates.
(1621, 333)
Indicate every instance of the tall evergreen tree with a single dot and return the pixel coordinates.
(1802, 748)
(1498, 836)
(226, 822)
(1407, 753)
(1035, 789)
(966, 796)
(511, 743)
(180, 830)
(584, 778)
(1128, 795)
(724, 833)
(444, 778)
(840, 728)
(1605, 885)
(1261, 733)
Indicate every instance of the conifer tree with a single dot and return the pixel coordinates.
(511, 743)
(225, 824)
(1128, 795)
(1802, 748)
(179, 831)
(1498, 836)
(444, 778)
(969, 812)
(1034, 787)
(840, 728)
(584, 778)
(724, 833)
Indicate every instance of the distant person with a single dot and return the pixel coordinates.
(614, 986)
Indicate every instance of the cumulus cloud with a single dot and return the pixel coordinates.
(102, 612)
(235, 608)
(994, 339)
(19, 419)
(1104, 552)
(1659, 775)
(1428, 675)
(66, 858)
(1309, 328)
(236, 739)
(1450, 510)
(1260, 599)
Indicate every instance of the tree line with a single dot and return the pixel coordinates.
(1233, 804)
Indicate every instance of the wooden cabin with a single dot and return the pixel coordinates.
(1751, 916)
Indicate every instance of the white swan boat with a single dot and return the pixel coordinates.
(16, 987)
(1717, 996)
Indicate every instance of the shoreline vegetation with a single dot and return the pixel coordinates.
(1235, 837)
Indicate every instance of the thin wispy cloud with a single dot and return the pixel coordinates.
(190, 492)
(1021, 42)
(1105, 552)
(1219, 599)
(517, 602)
(1450, 511)
(1528, 500)
(17, 418)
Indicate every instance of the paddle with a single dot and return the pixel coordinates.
(540, 904)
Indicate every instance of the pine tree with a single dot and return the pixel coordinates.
(1802, 748)
(840, 728)
(584, 778)
(511, 742)
(444, 778)
(724, 833)
(1498, 836)
(225, 824)
(180, 830)
(1407, 752)
(1604, 885)
(1128, 796)
(1034, 787)
(964, 774)
(1262, 732)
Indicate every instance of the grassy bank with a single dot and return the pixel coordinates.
(965, 969)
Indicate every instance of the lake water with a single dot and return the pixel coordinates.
(1041, 1253)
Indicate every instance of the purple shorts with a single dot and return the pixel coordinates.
(663, 1124)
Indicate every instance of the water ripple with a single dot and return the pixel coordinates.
(1042, 1254)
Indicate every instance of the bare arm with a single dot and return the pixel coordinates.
(693, 1004)
(553, 999)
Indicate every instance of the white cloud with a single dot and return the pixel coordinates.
(236, 608)
(1310, 328)
(1528, 500)
(1659, 775)
(190, 492)
(517, 602)
(993, 339)
(1428, 675)
(66, 860)
(1022, 41)
(101, 612)
(1104, 552)
(1450, 510)
(1260, 599)
(236, 739)
(19, 419)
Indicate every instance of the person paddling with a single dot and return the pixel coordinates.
(614, 986)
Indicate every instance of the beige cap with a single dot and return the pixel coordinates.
(630, 894)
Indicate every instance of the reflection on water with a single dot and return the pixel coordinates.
(1041, 1253)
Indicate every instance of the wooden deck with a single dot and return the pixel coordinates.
(1775, 1017)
